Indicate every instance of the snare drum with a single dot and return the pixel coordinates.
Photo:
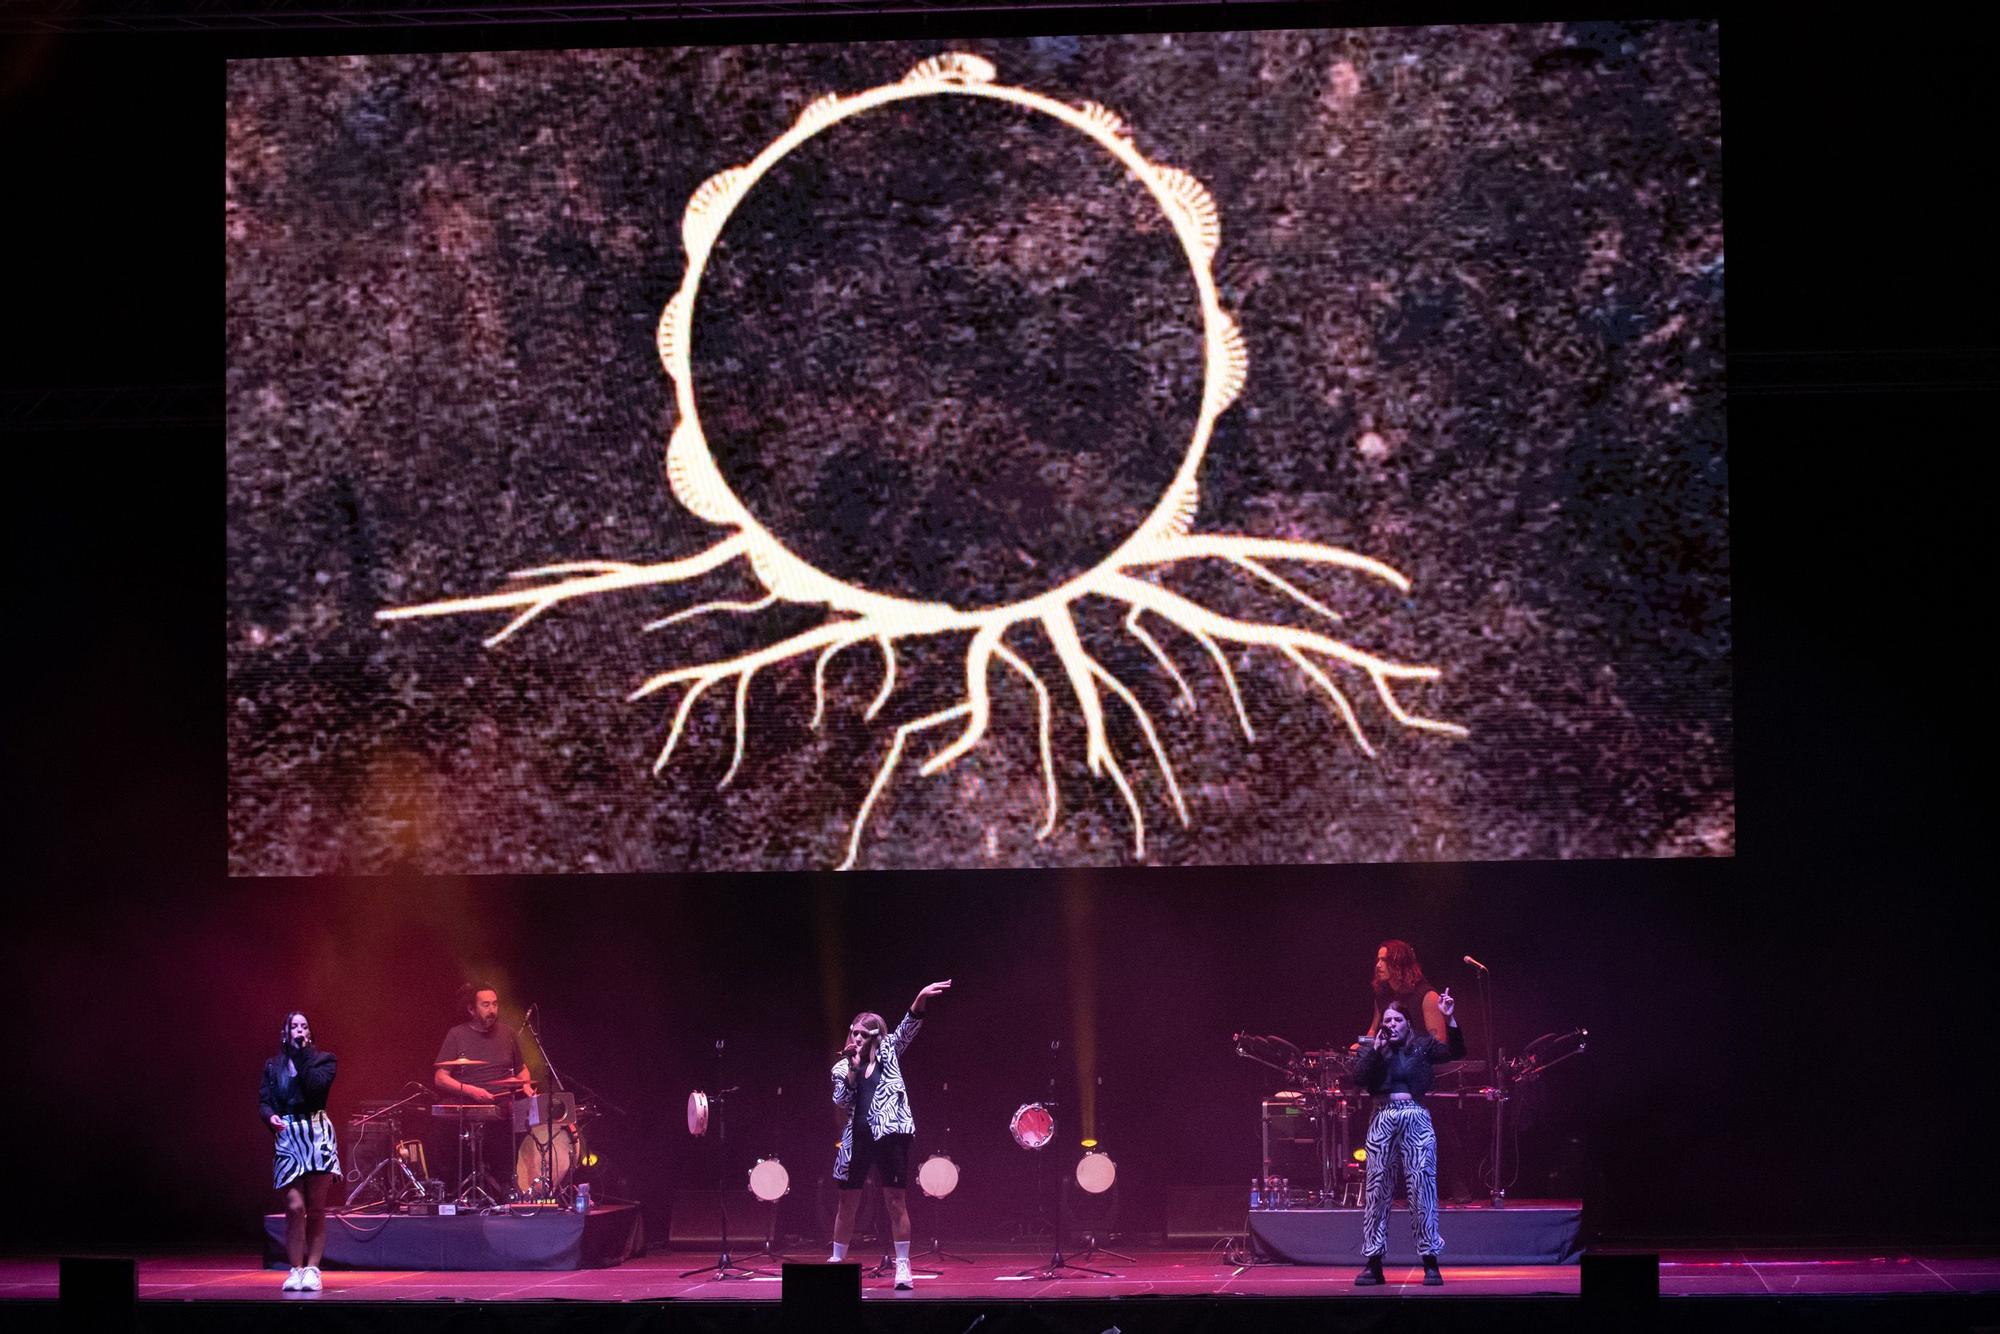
(769, 1180)
(1033, 1125)
(938, 1177)
(562, 1158)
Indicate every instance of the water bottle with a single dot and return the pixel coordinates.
(583, 1197)
(1256, 1192)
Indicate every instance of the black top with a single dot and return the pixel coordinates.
(1405, 1067)
(498, 1053)
(282, 1095)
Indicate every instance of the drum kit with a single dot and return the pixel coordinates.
(1309, 1128)
(550, 1151)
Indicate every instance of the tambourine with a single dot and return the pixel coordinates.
(938, 1177)
(697, 1113)
(769, 1180)
(1095, 1172)
(1033, 1125)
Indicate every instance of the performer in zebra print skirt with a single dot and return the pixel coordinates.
(1395, 1067)
(876, 1125)
(305, 1160)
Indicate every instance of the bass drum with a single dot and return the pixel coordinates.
(562, 1160)
(938, 1177)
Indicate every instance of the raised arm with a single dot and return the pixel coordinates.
(1436, 1017)
(906, 1031)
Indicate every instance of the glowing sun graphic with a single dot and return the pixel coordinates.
(856, 615)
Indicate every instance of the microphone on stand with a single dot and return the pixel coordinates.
(1476, 964)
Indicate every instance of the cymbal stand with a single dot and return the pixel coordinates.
(724, 1267)
(394, 1189)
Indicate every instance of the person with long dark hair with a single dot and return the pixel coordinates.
(306, 1160)
(1398, 977)
(1395, 1068)
(876, 1126)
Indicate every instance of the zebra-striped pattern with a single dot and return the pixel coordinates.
(888, 1112)
(1401, 1128)
(305, 1144)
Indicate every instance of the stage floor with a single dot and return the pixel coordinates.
(1817, 1272)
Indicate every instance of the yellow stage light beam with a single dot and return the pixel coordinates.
(858, 615)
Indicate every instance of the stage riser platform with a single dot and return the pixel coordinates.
(556, 1240)
(1541, 1233)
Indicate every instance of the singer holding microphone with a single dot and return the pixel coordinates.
(306, 1160)
(1395, 1068)
(876, 1126)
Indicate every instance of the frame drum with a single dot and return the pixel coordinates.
(697, 1113)
(562, 1160)
(1033, 1125)
(769, 1180)
(938, 1177)
(1095, 1172)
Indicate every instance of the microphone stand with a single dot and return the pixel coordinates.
(546, 1149)
(1496, 1092)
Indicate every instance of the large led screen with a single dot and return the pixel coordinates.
(1267, 447)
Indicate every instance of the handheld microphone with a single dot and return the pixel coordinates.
(1476, 964)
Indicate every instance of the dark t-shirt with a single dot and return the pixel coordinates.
(498, 1054)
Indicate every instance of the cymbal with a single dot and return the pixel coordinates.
(463, 1060)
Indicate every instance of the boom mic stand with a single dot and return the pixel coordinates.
(724, 1267)
(1496, 1194)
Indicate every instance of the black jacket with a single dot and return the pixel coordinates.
(1408, 1066)
(298, 1097)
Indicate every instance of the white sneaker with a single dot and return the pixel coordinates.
(903, 1283)
(292, 1281)
(309, 1279)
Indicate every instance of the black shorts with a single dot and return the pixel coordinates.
(889, 1156)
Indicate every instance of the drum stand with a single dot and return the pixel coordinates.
(724, 1267)
(769, 1251)
(471, 1189)
(1057, 1264)
(937, 1206)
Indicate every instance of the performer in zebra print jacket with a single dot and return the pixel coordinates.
(1395, 1067)
(876, 1125)
(305, 1160)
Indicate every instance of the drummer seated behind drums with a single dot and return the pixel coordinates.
(497, 1074)
(875, 1124)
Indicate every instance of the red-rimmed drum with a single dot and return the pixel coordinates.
(1033, 1125)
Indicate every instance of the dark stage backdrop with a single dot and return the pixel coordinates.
(1718, 1095)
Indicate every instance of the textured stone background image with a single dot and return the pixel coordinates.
(950, 350)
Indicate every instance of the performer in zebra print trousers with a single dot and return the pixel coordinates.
(876, 1125)
(1395, 1067)
(305, 1158)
